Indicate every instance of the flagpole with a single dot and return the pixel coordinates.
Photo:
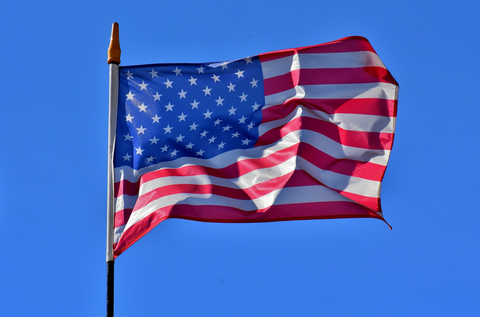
(114, 62)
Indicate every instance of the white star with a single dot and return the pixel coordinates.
(143, 86)
(239, 73)
(189, 145)
(235, 135)
(154, 73)
(165, 148)
(128, 137)
(154, 140)
(221, 145)
(177, 71)
(254, 82)
(245, 142)
(127, 157)
(168, 84)
(200, 153)
(242, 119)
(207, 114)
(169, 107)
(243, 97)
(142, 107)
(180, 138)
(217, 122)
(141, 130)
(200, 69)
(174, 152)
(130, 95)
(168, 129)
(215, 78)
(224, 65)
(207, 90)
(194, 104)
(212, 139)
(232, 111)
(182, 117)
(182, 94)
(248, 60)
(150, 159)
(227, 128)
(193, 126)
(193, 81)
(231, 87)
(139, 150)
(219, 101)
(156, 119)
(255, 106)
(129, 75)
(250, 126)
(129, 118)
(203, 134)
(156, 96)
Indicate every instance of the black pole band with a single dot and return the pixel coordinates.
(110, 270)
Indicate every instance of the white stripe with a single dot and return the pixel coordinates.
(346, 121)
(125, 202)
(244, 181)
(287, 64)
(337, 91)
(291, 195)
(118, 233)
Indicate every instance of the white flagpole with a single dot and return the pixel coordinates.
(113, 61)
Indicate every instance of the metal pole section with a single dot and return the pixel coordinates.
(113, 61)
(110, 287)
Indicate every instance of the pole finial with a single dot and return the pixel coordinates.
(114, 48)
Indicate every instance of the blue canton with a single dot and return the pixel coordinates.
(167, 111)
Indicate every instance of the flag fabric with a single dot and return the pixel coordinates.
(303, 133)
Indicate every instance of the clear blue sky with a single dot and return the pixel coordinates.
(54, 109)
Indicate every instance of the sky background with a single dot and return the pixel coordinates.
(53, 182)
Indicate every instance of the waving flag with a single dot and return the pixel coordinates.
(303, 133)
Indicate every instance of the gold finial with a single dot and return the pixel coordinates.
(114, 48)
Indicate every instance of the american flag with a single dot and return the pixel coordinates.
(302, 133)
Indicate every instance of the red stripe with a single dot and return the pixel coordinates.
(325, 76)
(377, 107)
(367, 140)
(348, 44)
(225, 214)
(369, 202)
(122, 216)
(125, 187)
